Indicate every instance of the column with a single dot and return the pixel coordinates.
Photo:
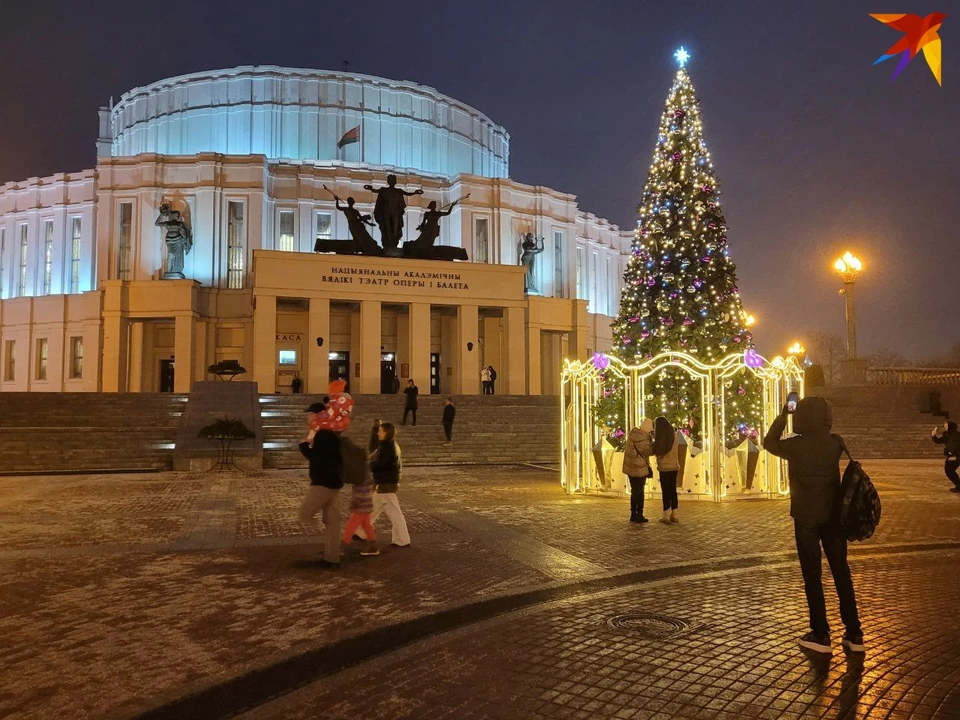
(185, 335)
(533, 361)
(467, 370)
(512, 378)
(579, 331)
(419, 339)
(491, 346)
(114, 353)
(318, 358)
(91, 355)
(370, 346)
(265, 343)
(201, 359)
(136, 357)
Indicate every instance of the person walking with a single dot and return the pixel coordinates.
(361, 507)
(485, 380)
(411, 401)
(322, 449)
(948, 436)
(449, 413)
(386, 464)
(296, 385)
(666, 449)
(813, 464)
(493, 380)
(636, 466)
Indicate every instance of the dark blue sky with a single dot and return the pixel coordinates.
(816, 149)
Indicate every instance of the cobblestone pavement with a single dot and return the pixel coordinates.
(122, 593)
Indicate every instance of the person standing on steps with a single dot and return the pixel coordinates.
(948, 436)
(411, 401)
(386, 465)
(493, 380)
(813, 464)
(666, 448)
(636, 466)
(485, 380)
(449, 413)
(321, 448)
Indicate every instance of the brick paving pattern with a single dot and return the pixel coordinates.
(119, 593)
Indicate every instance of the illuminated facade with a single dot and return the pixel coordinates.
(251, 156)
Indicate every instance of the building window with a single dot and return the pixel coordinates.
(22, 279)
(10, 360)
(235, 248)
(47, 255)
(581, 290)
(481, 240)
(611, 287)
(324, 226)
(558, 263)
(286, 231)
(76, 357)
(42, 359)
(3, 252)
(75, 255)
(125, 238)
(593, 291)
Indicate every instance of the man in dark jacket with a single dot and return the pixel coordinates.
(411, 401)
(321, 448)
(948, 436)
(449, 413)
(813, 458)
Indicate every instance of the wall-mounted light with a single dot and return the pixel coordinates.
(469, 346)
(319, 342)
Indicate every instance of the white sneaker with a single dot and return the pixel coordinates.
(674, 517)
(665, 518)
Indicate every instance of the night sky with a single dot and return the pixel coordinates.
(816, 149)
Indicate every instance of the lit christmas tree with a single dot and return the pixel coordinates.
(680, 286)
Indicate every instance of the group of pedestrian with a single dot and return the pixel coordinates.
(488, 380)
(813, 457)
(653, 439)
(373, 475)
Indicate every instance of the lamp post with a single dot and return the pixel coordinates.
(797, 350)
(849, 267)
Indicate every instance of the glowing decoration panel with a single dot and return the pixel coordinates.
(713, 467)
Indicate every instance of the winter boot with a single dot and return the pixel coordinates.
(665, 519)
(674, 517)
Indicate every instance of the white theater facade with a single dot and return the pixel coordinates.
(249, 156)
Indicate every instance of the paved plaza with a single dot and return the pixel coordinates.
(192, 595)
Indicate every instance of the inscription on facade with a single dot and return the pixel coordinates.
(288, 337)
(444, 281)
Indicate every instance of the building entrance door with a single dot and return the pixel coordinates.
(434, 373)
(166, 376)
(340, 368)
(389, 383)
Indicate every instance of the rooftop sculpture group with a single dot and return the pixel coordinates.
(388, 212)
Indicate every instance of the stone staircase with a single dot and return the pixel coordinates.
(883, 422)
(489, 429)
(65, 432)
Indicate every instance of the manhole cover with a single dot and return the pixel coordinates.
(647, 625)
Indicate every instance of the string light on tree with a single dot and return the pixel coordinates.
(680, 285)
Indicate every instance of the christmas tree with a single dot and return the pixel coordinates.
(680, 286)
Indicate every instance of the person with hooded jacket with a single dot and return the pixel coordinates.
(667, 450)
(636, 466)
(813, 462)
(948, 436)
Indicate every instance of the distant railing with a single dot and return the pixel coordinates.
(913, 376)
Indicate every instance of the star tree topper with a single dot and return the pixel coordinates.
(682, 56)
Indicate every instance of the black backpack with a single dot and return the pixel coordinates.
(859, 503)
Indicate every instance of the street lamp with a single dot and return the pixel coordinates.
(849, 267)
(796, 349)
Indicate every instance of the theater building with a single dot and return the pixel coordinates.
(251, 157)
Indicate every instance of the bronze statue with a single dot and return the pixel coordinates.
(358, 227)
(388, 212)
(429, 226)
(178, 239)
(528, 250)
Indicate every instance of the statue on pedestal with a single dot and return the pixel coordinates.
(357, 223)
(388, 212)
(528, 250)
(178, 239)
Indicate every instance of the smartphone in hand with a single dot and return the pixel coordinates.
(792, 400)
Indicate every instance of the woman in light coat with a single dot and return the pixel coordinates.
(666, 448)
(636, 466)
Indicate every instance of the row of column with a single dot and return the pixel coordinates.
(414, 341)
(123, 348)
